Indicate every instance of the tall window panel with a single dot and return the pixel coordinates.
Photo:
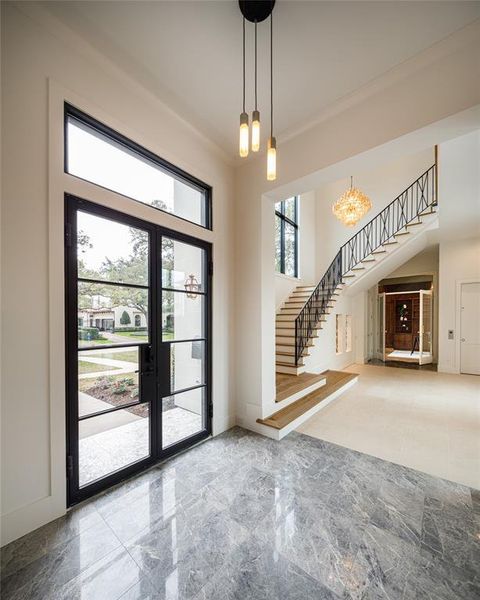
(286, 236)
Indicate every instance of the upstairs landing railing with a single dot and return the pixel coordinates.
(418, 198)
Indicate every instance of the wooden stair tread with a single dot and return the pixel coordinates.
(287, 385)
(281, 418)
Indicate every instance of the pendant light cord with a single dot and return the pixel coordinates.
(243, 64)
(271, 74)
(255, 65)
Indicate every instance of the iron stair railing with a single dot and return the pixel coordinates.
(416, 200)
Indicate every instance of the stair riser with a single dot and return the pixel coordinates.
(279, 347)
(282, 340)
(289, 370)
(287, 359)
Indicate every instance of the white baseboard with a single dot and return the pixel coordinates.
(19, 522)
(222, 424)
(447, 369)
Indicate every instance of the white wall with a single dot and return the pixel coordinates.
(459, 236)
(381, 185)
(39, 69)
(459, 187)
(323, 354)
(306, 252)
(459, 261)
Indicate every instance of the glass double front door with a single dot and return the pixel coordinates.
(138, 344)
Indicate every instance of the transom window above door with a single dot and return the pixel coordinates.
(102, 156)
(286, 236)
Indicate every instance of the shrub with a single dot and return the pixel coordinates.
(89, 333)
(121, 386)
(125, 318)
(127, 329)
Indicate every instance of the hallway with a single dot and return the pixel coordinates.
(420, 419)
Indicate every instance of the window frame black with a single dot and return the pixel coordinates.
(132, 147)
(294, 223)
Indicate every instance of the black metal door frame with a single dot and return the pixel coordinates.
(152, 384)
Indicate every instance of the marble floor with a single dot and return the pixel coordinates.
(417, 418)
(244, 517)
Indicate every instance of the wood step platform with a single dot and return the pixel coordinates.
(288, 385)
(285, 416)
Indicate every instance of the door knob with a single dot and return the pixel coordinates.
(462, 340)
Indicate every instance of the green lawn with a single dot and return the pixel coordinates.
(131, 356)
(138, 336)
(88, 367)
(141, 336)
(83, 343)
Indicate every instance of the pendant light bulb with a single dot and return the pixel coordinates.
(272, 159)
(244, 135)
(255, 131)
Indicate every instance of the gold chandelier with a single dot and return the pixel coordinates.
(351, 206)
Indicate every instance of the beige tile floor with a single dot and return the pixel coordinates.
(421, 419)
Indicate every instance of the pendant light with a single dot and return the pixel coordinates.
(256, 11)
(244, 133)
(351, 206)
(256, 113)
(272, 142)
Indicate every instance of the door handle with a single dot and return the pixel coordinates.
(462, 340)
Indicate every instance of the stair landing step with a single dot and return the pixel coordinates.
(284, 417)
(288, 385)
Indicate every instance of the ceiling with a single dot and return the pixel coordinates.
(189, 52)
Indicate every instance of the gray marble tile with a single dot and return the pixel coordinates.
(258, 572)
(387, 562)
(434, 579)
(185, 552)
(33, 546)
(320, 542)
(142, 590)
(110, 577)
(153, 501)
(400, 511)
(40, 578)
(450, 533)
(242, 516)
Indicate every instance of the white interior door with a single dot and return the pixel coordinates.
(381, 327)
(425, 330)
(470, 329)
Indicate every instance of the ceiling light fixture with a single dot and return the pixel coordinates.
(256, 114)
(244, 134)
(272, 142)
(257, 11)
(351, 206)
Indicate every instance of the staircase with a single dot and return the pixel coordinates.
(302, 315)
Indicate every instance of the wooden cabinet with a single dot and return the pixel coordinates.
(402, 314)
